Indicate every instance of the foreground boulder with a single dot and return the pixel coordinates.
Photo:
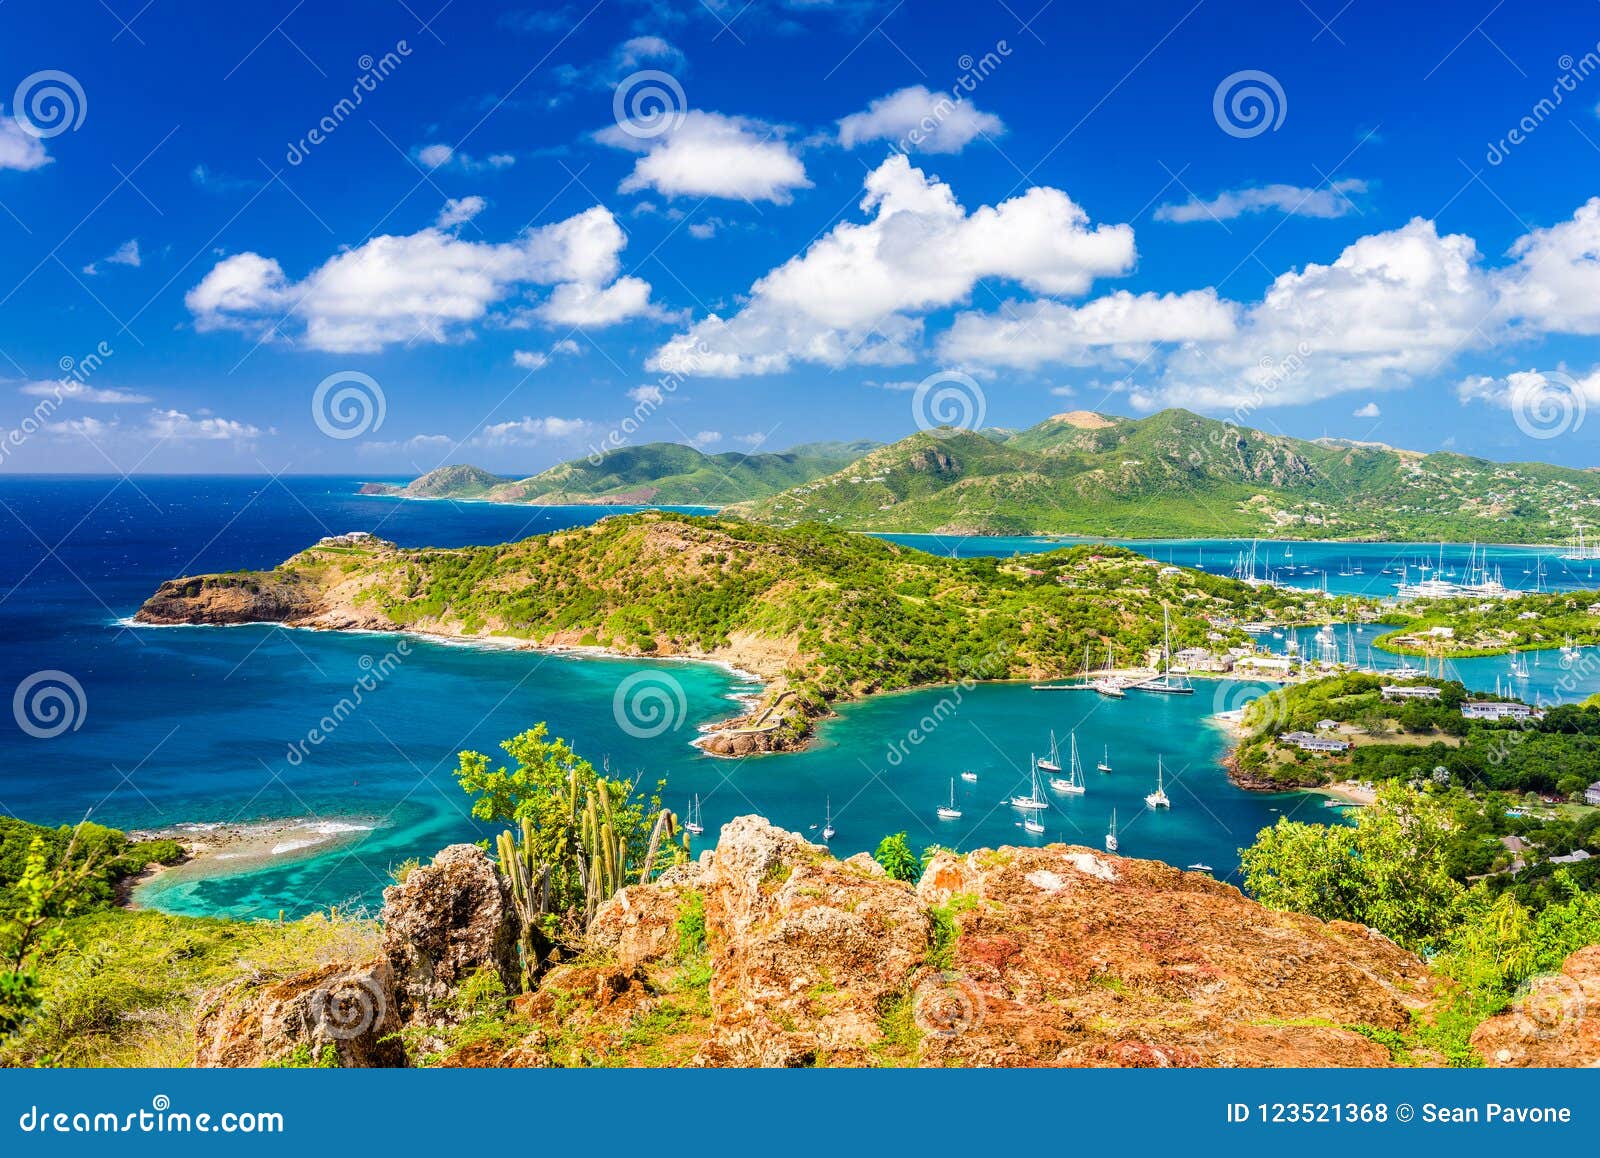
(1015, 956)
(340, 1014)
(1555, 1022)
(444, 922)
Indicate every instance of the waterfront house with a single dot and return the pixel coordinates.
(1576, 856)
(1591, 794)
(1498, 710)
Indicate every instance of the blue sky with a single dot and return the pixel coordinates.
(545, 229)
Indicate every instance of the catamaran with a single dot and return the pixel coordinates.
(1111, 833)
(1053, 764)
(950, 812)
(828, 831)
(1166, 682)
(1105, 760)
(1073, 785)
(694, 824)
(1158, 798)
(1034, 801)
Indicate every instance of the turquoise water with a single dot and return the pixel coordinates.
(1312, 565)
(182, 725)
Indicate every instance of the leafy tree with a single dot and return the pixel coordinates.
(1390, 870)
(895, 855)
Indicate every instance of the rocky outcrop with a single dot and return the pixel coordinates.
(344, 1014)
(228, 599)
(1555, 1022)
(444, 922)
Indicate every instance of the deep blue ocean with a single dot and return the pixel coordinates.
(197, 725)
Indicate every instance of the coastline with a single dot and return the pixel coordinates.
(221, 848)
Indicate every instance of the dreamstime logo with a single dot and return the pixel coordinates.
(947, 1005)
(1546, 404)
(947, 402)
(349, 1009)
(1248, 103)
(1267, 712)
(649, 703)
(1549, 1005)
(348, 404)
(648, 104)
(374, 673)
(49, 103)
(48, 703)
(989, 666)
(373, 74)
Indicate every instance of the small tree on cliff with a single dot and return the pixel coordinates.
(895, 855)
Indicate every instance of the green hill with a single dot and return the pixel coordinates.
(654, 474)
(1176, 473)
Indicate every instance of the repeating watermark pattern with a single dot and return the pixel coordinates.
(648, 704)
(348, 404)
(374, 674)
(974, 71)
(1546, 404)
(1549, 1005)
(647, 399)
(1573, 74)
(48, 703)
(947, 1005)
(373, 74)
(991, 665)
(1248, 103)
(78, 371)
(948, 402)
(49, 103)
(350, 1009)
(649, 104)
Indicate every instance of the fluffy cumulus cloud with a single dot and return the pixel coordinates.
(1331, 200)
(919, 121)
(174, 424)
(19, 149)
(1533, 392)
(1120, 324)
(1370, 410)
(425, 286)
(704, 154)
(539, 359)
(531, 431)
(1554, 284)
(854, 295)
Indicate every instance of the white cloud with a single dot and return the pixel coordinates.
(851, 296)
(429, 285)
(539, 359)
(458, 211)
(70, 391)
(1122, 325)
(527, 431)
(1555, 281)
(19, 149)
(649, 395)
(125, 254)
(919, 121)
(1294, 200)
(710, 155)
(1370, 410)
(445, 157)
(174, 424)
(706, 438)
(416, 442)
(1532, 391)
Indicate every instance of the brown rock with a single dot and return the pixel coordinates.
(1556, 1021)
(445, 922)
(257, 1022)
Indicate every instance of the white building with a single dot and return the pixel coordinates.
(1405, 692)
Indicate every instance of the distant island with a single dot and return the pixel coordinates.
(1171, 474)
(820, 614)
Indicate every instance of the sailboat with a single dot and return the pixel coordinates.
(828, 831)
(1166, 682)
(950, 812)
(1053, 764)
(1158, 798)
(1034, 801)
(694, 824)
(1519, 666)
(1105, 760)
(1073, 785)
(1111, 833)
(1029, 824)
(1566, 646)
